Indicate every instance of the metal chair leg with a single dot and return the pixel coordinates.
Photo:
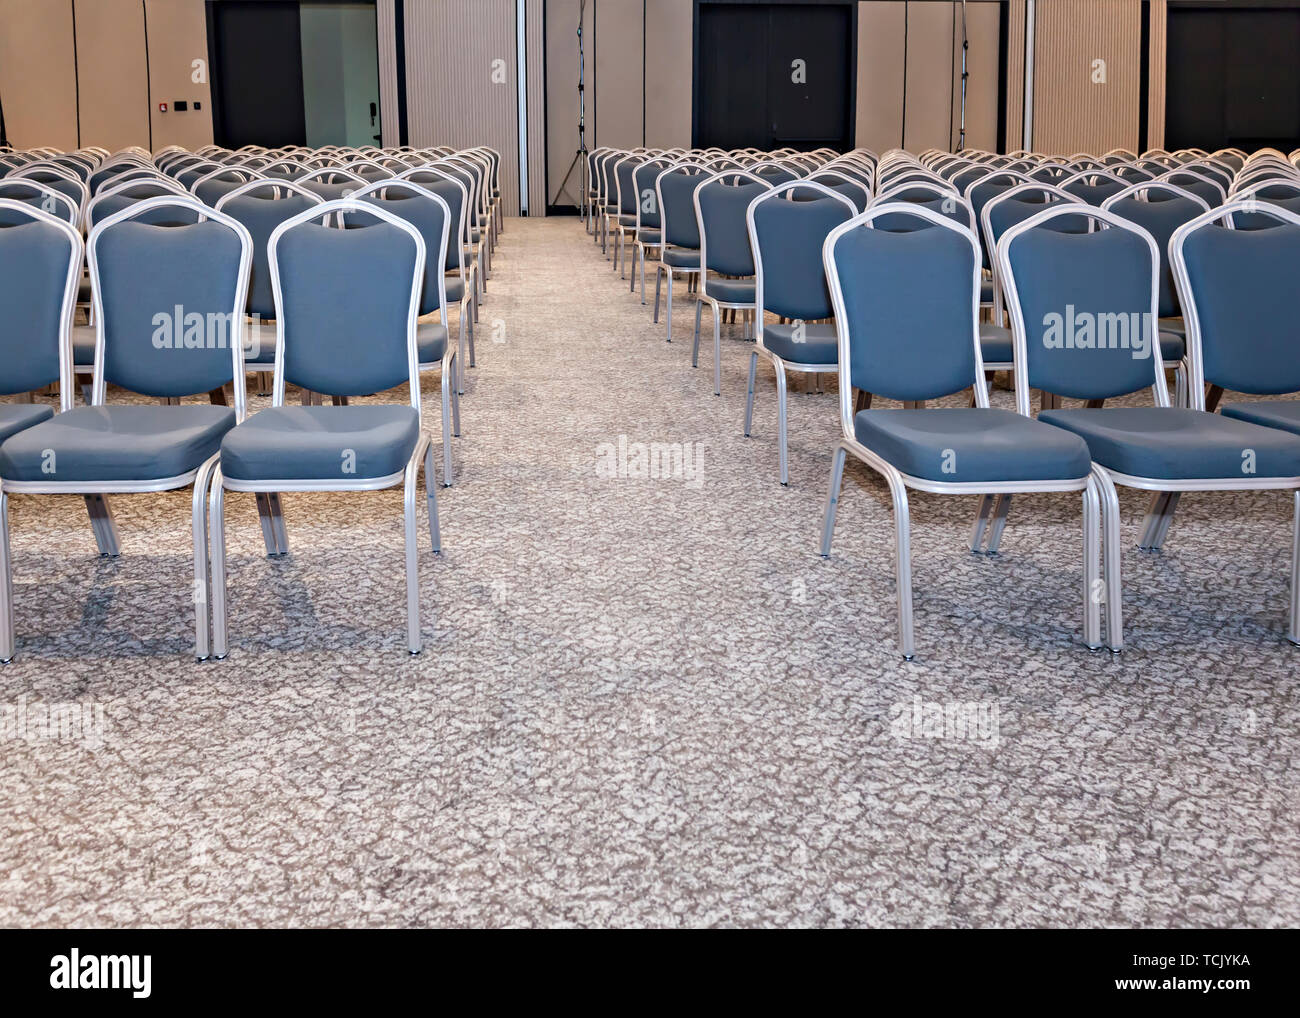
(717, 352)
(1293, 616)
(1110, 544)
(982, 515)
(833, 499)
(1093, 587)
(749, 398)
(695, 349)
(7, 585)
(104, 525)
(435, 531)
(781, 421)
(413, 643)
(217, 556)
(903, 566)
(199, 527)
(448, 370)
(668, 304)
(658, 281)
(998, 523)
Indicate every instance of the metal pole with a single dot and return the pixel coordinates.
(965, 48)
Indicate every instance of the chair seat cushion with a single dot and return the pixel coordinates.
(627, 222)
(324, 443)
(995, 344)
(455, 287)
(652, 238)
(1174, 325)
(116, 443)
(16, 417)
(83, 346)
(85, 294)
(431, 340)
(986, 291)
(682, 257)
(972, 444)
(816, 344)
(1172, 347)
(1171, 443)
(1284, 414)
(731, 291)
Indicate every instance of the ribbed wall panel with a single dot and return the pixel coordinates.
(536, 47)
(386, 34)
(1156, 74)
(451, 99)
(1015, 57)
(1071, 112)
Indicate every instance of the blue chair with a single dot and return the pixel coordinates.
(907, 314)
(626, 202)
(789, 281)
(37, 195)
(1084, 310)
(1092, 187)
(1243, 302)
(1160, 208)
(347, 301)
(1280, 193)
(648, 227)
(675, 190)
(142, 274)
(429, 214)
(720, 204)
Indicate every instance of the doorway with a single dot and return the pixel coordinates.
(1232, 78)
(294, 73)
(774, 75)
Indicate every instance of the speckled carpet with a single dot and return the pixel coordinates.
(645, 701)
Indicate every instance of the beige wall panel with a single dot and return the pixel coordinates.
(881, 27)
(452, 49)
(668, 73)
(927, 114)
(390, 124)
(620, 119)
(536, 53)
(1071, 113)
(178, 35)
(112, 74)
(1159, 47)
(563, 187)
(983, 66)
(38, 73)
(1015, 58)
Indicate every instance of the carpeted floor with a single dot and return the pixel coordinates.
(646, 701)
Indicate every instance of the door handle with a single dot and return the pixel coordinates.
(374, 110)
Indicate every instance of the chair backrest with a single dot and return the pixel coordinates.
(37, 195)
(906, 307)
(1083, 306)
(853, 189)
(720, 216)
(260, 213)
(786, 238)
(625, 185)
(40, 267)
(210, 187)
(1278, 193)
(1092, 186)
(930, 196)
(113, 199)
(169, 300)
(675, 187)
(1165, 208)
(346, 302)
(452, 190)
(1240, 302)
(429, 214)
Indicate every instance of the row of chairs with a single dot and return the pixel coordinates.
(350, 279)
(903, 311)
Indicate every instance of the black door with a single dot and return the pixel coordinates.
(256, 57)
(1233, 79)
(774, 75)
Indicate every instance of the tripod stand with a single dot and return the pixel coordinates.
(579, 161)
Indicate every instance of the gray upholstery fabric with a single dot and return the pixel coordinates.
(328, 443)
(790, 238)
(681, 259)
(650, 237)
(1284, 414)
(345, 297)
(33, 276)
(1172, 347)
(15, 190)
(1160, 217)
(1171, 443)
(83, 345)
(260, 214)
(955, 209)
(967, 444)
(427, 217)
(1073, 288)
(644, 183)
(678, 189)
(150, 271)
(165, 216)
(431, 340)
(909, 300)
(722, 220)
(731, 291)
(819, 344)
(1095, 194)
(116, 443)
(996, 345)
(1248, 305)
(16, 417)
